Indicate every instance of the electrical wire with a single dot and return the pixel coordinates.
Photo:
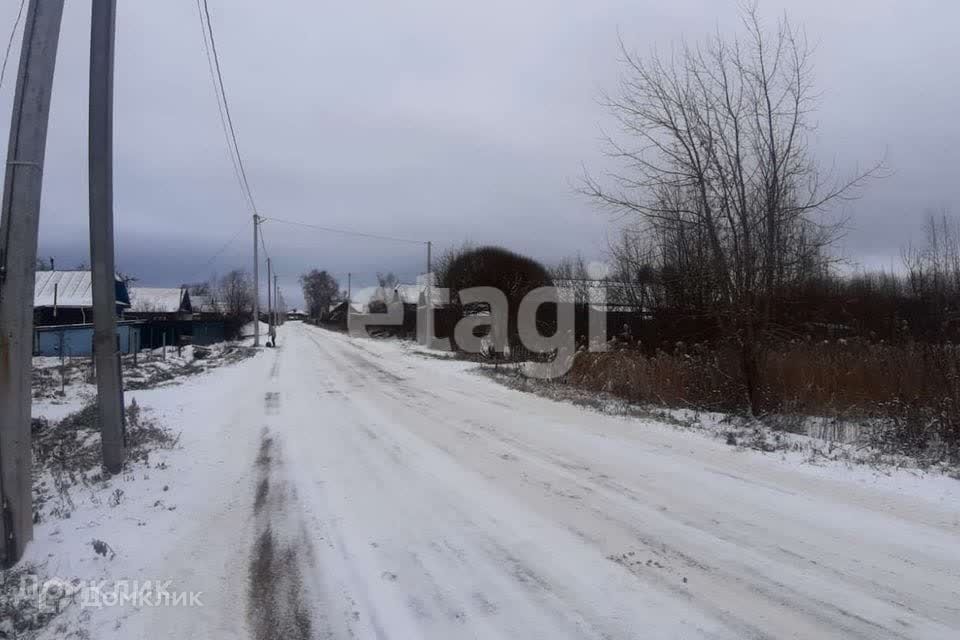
(263, 244)
(226, 119)
(218, 253)
(13, 33)
(216, 93)
(359, 234)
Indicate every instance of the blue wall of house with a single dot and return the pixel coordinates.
(76, 340)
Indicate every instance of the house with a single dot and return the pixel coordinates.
(338, 314)
(410, 295)
(209, 325)
(161, 303)
(63, 314)
(173, 316)
(66, 297)
(166, 313)
(603, 295)
(296, 314)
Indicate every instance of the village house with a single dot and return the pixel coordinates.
(63, 314)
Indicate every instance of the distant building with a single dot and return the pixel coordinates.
(339, 313)
(206, 305)
(603, 295)
(410, 295)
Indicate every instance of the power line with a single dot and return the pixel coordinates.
(216, 93)
(13, 33)
(218, 252)
(225, 117)
(346, 232)
(263, 245)
(226, 105)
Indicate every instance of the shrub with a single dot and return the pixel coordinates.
(909, 395)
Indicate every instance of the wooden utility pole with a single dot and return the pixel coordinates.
(103, 271)
(18, 255)
(256, 282)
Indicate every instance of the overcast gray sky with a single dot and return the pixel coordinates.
(449, 121)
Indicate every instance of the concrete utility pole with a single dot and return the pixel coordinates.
(18, 255)
(349, 289)
(256, 282)
(269, 299)
(103, 271)
(276, 303)
(429, 295)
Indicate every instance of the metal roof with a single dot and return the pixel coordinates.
(73, 289)
(159, 299)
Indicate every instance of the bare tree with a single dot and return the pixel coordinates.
(388, 281)
(235, 295)
(198, 288)
(933, 270)
(570, 274)
(320, 291)
(718, 167)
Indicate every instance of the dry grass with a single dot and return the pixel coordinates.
(909, 394)
(705, 379)
(67, 455)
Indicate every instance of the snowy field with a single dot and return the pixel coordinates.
(337, 488)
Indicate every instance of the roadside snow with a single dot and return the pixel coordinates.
(354, 488)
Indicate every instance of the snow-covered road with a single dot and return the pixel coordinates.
(372, 492)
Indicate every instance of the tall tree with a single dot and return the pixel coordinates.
(719, 170)
(235, 295)
(320, 291)
(512, 274)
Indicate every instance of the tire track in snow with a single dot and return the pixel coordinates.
(277, 594)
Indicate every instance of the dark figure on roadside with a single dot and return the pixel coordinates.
(623, 339)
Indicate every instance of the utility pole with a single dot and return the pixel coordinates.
(103, 272)
(429, 297)
(18, 255)
(269, 299)
(256, 283)
(349, 289)
(276, 303)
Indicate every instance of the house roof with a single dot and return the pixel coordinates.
(204, 304)
(410, 293)
(72, 288)
(159, 299)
